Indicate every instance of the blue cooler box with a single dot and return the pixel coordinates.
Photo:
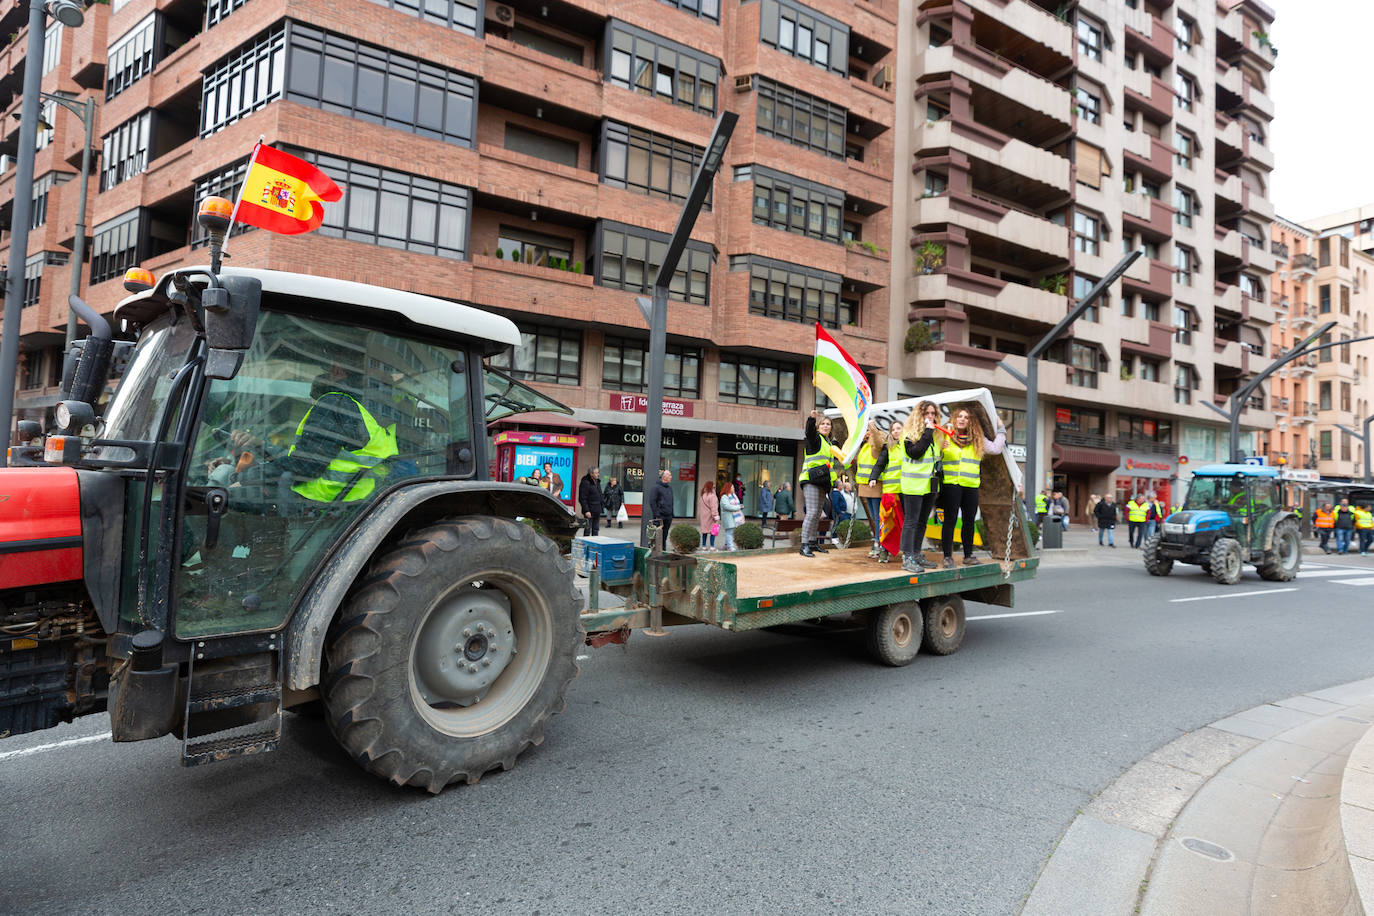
(614, 557)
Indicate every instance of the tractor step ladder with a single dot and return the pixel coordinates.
(233, 708)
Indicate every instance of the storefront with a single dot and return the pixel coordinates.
(621, 455)
(1143, 474)
(540, 458)
(757, 462)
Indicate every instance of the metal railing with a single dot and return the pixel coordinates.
(1115, 443)
(1304, 262)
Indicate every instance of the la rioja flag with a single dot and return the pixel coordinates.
(835, 373)
(282, 193)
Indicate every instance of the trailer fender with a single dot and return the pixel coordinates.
(394, 513)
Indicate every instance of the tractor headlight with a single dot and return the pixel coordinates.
(1190, 526)
(1174, 528)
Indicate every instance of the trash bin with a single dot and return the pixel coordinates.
(1052, 535)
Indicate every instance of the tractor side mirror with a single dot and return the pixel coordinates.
(231, 317)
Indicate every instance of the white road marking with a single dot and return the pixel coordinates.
(583, 658)
(1362, 580)
(1263, 591)
(1019, 614)
(1327, 571)
(40, 748)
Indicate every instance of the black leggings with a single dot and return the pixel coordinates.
(956, 501)
(915, 513)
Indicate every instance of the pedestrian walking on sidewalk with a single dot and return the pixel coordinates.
(918, 470)
(1345, 526)
(731, 516)
(661, 502)
(1136, 511)
(1155, 517)
(1364, 528)
(1105, 513)
(783, 503)
(1324, 521)
(1093, 500)
(1058, 510)
(613, 499)
(765, 501)
(589, 497)
(708, 514)
(961, 459)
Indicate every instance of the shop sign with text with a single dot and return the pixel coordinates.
(638, 403)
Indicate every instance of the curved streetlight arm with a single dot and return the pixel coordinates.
(1242, 394)
(1364, 441)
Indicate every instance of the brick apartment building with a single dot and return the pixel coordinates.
(529, 158)
(1322, 276)
(1045, 144)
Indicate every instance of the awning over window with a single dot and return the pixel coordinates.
(1077, 458)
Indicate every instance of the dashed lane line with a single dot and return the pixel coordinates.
(41, 748)
(1263, 591)
(1362, 580)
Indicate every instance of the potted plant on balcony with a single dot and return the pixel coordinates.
(918, 338)
(930, 256)
(1055, 283)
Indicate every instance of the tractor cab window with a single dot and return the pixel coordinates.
(321, 419)
(1264, 495)
(1212, 492)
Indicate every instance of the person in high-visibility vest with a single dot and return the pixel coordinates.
(1364, 528)
(887, 471)
(1345, 526)
(1137, 510)
(1042, 507)
(1324, 520)
(961, 455)
(918, 495)
(340, 447)
(818, 476)
(1155, 516)
(870, 486)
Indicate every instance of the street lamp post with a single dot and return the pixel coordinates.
(69, 14)
(1364, 442)
(86, 112)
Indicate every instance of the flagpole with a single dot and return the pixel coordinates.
(234, 216)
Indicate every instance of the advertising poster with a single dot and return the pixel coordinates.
(547, 465)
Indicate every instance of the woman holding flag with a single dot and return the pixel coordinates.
(962, 450)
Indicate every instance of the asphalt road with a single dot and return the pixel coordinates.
(707, 772)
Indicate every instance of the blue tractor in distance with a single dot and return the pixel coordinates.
(1234, 514)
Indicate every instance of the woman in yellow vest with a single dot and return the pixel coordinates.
(818, 476)
(918, 493)
(1364, 528)
(961, 455)
(870, 484)
(887, 470)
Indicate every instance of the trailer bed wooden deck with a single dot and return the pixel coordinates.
(759, 575)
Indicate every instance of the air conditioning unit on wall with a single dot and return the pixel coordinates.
(501, 13)
(744, 83)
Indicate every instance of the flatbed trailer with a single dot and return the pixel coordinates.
(904, 611)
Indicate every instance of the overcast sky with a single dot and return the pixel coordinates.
(1323, 131)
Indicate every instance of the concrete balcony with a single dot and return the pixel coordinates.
(1228, 188)
(1258, 153)
(1158, 105)
(1013, 299)
(1157, 282)
(538, 182)
(1229, 132)
(1303, 318)
(1226, 353)
(1158, 223)
(996, 219)
(1031, 21)
(1257, 100)
(960, 367)
(1303, 267)
(1259, 257)
(1228, 244)
(1227, 298)
(1001, 77)
(1148, 155)
(1147, 34)
(996, 149)
(1229, 78)
(1259, 52)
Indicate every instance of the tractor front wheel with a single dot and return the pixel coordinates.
(1226, 561)
(1281, 561)
(1155, 564)
(453, 653)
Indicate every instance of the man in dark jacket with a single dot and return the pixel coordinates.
(589, 497)
(1105, 513)
(661, 502)
(612, 498)
(783, 503)
(1345, 526)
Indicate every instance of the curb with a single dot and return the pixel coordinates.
(1243, 815)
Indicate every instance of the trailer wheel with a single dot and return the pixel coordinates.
(1225, 561)
(894, 633)
(1281, 562)
(454, 652)
(944, 624)
(1156, 565)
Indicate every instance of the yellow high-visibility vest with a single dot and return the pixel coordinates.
(381, 445)
(961, 465)
(1136, 512)
(916, 472)
(892, 474)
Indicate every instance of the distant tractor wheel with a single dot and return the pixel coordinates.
(944, 624)
(894, 633)
(1226, 561)
(1155, 564)
(454, 652)
(1281, 561)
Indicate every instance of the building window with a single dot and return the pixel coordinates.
(762, 383)
(804, 33)
(648, 163)
(797, 205)
(703, 9)
(243, 82)
(541, 145)
(1088, 105)
(1183, 265)
(630, 259)
(1184, 32)
(1185, 323)
(1345, 300)
(1185, 88)
(1345, 251)
(1184, 146)
(791, 292)
(216, 11)
(1345, 349)
(1085, 361)
(1149, 370)
(373, 84)
(1151, 309)
(533, 247)
(1080, 420)
(544, 355)
(1324, 252)
(801, 119)
(1087, 232)
(1082, 285)
(1089, 38)
(38, 213)
(1345, 445)
(625, 365)
(1147, 429)
(936, 184)
(33, 275)
(225, 183)
(52, 47)
(131, 57)
(1324, 299)
(124, 151)
(1250, 287)
(1345, 396)
(546, 44)
(395, 209)
(652, 65)
(459, 15)
(1185, 383)
(1184, 204)
(1324, 355)
(1325, 437)
(1324, 396)
(115, 246)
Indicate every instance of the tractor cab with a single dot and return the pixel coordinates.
(1218, 503)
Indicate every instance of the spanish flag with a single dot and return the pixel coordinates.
(282, 193)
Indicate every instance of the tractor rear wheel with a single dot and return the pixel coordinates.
(1155, 564)
(451, 656)
(1226, 561)
(1281, 561)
